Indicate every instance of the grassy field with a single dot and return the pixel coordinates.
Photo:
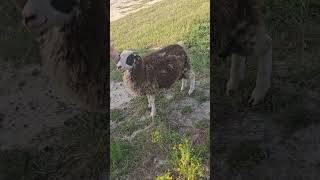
(149, 153)
(165, 24)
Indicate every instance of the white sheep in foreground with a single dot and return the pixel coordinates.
(157, 70)
(73, 43)
(240, 32)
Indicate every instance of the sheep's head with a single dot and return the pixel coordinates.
(244, 39)
(241, 41)
(128, 59)
(39, 15)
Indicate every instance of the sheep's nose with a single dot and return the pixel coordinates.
(119, 67)
(29, 17)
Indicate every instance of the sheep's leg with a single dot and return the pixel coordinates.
(192, 79)
(149, 103)
(153, 106)
(183, 84)
(242, 70)
(237, 65)
(263, 81)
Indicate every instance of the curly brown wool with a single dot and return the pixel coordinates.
(158, 70)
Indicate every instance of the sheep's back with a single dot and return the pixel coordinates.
(167, 65)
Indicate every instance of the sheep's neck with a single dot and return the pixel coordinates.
(138, 74)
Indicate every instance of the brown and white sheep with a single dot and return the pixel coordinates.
(160, 69)
(73, 43)
(239, 32)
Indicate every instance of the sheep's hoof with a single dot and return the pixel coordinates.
(230, 92)
(257, 97)
(255, 101)
(190, 91)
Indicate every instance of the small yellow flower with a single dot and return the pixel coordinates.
(156, 137)
(187, 167)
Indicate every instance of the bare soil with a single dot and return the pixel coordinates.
(39, 127)
(119, 94)
(122, 8)
(28, 106)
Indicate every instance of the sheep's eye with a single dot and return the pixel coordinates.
(64, 6)
(130, 59)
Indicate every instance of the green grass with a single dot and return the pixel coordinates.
(121, 152)
(185, 164)
(167, 22)
(200, 96)
(186, 110)
(170, 22)
(117, 115)
(167, 135)
(160, 25)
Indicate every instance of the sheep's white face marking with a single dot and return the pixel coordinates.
(127, 60)
(39, 15)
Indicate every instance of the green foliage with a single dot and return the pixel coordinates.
(186, 110)
(156, 137)
(186, 165)
(117, 115)
(171, 22)
(121, 152)
(167, 22)
(162, 24)
(198, 41)
(165, 139)
(166, 176)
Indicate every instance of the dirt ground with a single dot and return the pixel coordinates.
(28, 106)
(122, 8)
(119, 94)
(38, 127)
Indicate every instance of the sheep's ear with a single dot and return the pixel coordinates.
(137, 58)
